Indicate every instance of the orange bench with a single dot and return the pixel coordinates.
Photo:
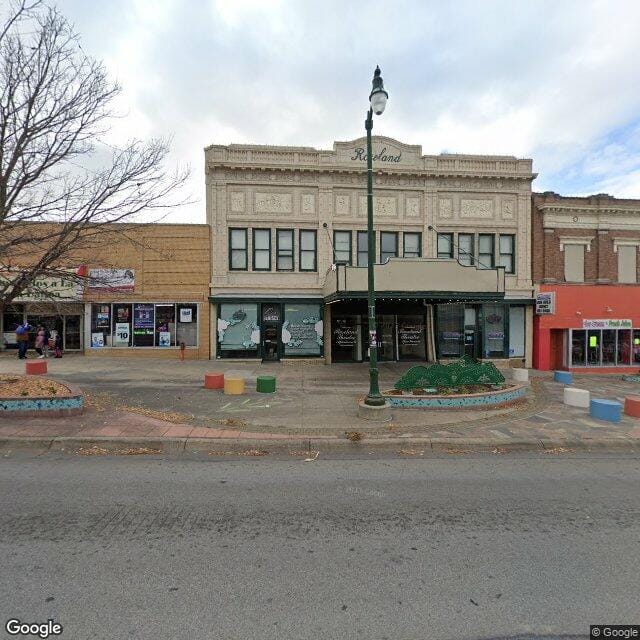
(214, 380)
(35, 367)
(632, 406)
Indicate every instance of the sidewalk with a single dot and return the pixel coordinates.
(165, 403)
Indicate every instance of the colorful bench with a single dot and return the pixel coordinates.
(632, 406)
(576, 397)
(233, 386)
(266, 384)
(35, 367)
(566, 377)
(214, 380)
(607, 410)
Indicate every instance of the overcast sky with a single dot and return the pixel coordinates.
(555, 81)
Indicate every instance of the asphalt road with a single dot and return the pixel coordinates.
(458, 548)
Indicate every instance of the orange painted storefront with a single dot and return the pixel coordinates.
(573, 305)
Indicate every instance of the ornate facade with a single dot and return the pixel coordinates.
(282, 218)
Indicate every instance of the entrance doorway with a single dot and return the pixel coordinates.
(270, 342)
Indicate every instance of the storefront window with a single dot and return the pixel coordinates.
(623, 350)
(346, 339)
(411, 338)
(608, 347)
(12, 316)
(187, 324)
(516, 332)
(578, 351)
(450, 326)
(100, 325)
(593, 347)
(238, 330)
(302, 331)
(143, 325)
(493, 330)
(636, 346)
(165, 325)
(122, 334)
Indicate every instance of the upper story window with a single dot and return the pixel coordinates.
(507, 253)
(342, 246)
(445, 245)
(308, 250)
(238, 250)
(284, 249)
(363, 248)
(412, 245)
(486, 251)
(388, 245)
(466, 249)
(574, 262)
(262, 249)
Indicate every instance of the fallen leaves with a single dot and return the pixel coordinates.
(354, 436)
(166, 416)
(411, 452)
(125, 451)
(557, 451)
(12, 386)
(230, 422)
(253, 453)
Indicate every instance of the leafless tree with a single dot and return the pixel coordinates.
(55, 102)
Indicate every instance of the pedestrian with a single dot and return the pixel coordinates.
(39, 343)
(57, 345)
(47, 337)
(22, 338)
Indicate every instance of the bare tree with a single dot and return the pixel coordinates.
(55, 101)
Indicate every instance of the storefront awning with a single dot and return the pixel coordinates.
(425, 279)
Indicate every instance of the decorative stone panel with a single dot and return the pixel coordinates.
(445, 208)
(274, 203)
(412, 207)
(508, 209)
(476, 208)
(308, 203)
(383, 206)
(237, 202)
(343, 205)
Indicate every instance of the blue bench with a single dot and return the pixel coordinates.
(608, 410)
(566, 377)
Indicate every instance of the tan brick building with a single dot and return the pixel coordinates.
(147, 292)
(585, 265)
(453, 252)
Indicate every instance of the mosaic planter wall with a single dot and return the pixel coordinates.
(45, 406)
(487, 399)
(635, 378)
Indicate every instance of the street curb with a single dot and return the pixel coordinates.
(179, 446)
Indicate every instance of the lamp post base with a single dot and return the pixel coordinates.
(376, 413)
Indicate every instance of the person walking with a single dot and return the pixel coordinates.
(47, 337)
(22, 338)
(57, 344)
(39, 344)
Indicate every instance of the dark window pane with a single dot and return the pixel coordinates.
(445, 245)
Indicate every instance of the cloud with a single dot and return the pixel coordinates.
(548, 80)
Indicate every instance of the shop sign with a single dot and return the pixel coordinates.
(51, 289)
(545, 304)
(271, 313)
(112, 279)
(410, 335)
(383, 155)
(186, 315)
(344, 336)
(143, 319)
(607, 324)
(122, 334)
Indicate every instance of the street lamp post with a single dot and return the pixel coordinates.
(378, 101)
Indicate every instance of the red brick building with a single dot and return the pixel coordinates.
(586, 271)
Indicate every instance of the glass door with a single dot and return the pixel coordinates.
(72, 333)
(385, 327)
(594, 338)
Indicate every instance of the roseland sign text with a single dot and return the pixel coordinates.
(359, 153)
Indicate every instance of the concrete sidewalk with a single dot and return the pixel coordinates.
(165, 403)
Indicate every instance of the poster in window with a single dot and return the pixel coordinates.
(164, 339)
(102, 317)
(122, 334)
(186, 315)
(97, 340)
(302, 330)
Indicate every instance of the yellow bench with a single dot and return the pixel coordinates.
(233, 386)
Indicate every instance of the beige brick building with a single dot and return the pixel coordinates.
(147, 293)
(288, 272)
